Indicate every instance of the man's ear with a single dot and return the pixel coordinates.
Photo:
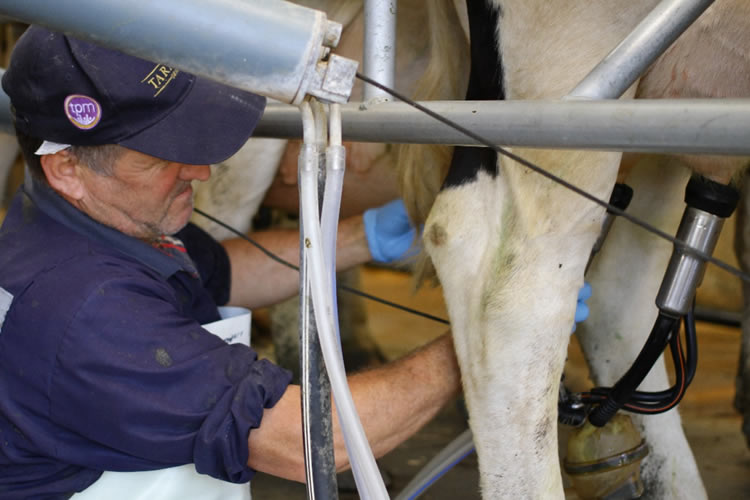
(62, 173)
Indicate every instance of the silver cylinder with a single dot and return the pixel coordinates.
(270, 47)
(700, 231)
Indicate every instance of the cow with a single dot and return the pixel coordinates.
(510, 247)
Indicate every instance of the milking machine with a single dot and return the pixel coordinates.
(603, 455)
(708, 205)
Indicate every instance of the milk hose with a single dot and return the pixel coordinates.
(457, 450)
(366, 474)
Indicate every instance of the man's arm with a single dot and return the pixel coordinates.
(258, 281)
(393, 402)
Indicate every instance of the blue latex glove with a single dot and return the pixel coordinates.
(582, 310)
(390, 235)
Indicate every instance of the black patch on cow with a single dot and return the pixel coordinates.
(486, 76)
(485, 83)
(466, 164)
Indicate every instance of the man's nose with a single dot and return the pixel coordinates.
(195, 172)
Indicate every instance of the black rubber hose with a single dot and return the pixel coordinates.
(691, 346)
(660, 398)
(673, 395)
(629, 382)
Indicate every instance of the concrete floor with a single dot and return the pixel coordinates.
(711, 423)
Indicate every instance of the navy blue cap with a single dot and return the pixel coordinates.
(72, 92)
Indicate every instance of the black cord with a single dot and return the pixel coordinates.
(685, 363)
(691, 344)
(349, 289)
(539, 170)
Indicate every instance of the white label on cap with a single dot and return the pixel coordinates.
(50, 148)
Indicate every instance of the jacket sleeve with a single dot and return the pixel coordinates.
(137, 386)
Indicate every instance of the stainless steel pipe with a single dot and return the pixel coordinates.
(710, 126)
(700, 231)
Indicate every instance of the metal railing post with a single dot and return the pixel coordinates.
(379, 60)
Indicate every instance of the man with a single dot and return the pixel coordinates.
(104, 365)
(108, 382)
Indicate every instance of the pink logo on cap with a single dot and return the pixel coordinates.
(83, 111)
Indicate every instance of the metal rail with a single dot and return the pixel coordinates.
(628, 61)
(710, 126)
(685, 126)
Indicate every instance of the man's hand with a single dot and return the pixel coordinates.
(390, 234)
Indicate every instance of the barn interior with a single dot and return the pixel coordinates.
(712, 423)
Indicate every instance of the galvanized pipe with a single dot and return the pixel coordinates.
(271, 47)
(379, 60)
(710, 126)
(650, 39)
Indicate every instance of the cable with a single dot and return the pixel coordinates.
(539, 170)
(349, 289)
(685, 363)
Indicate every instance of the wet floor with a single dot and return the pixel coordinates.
(711, 423)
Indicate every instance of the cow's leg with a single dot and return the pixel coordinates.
(237, 186)
(742, 249)
(510, 251)
(626, 275)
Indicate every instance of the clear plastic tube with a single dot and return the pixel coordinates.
(457, 450)
(335, 168)
(366, 474)
(321, 483)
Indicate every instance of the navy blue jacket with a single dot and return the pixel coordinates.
(103, 362)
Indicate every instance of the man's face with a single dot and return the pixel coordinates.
(145, 197)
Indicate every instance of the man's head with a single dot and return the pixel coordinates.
(108, 105)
